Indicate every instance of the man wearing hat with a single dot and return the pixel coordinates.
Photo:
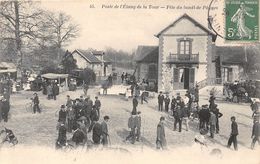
(98, 105)
(62, 114)
(167, 102)
(204, 116)
(255, 133)
(160, 139)
(104, 129)
(132, 127)
(160, 101)
(36, 102)
(218, 115)
(62, 138)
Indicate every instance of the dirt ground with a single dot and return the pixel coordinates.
(40, 129)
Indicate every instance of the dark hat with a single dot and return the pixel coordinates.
(133, 113)
(233, 117)
(35, 93)
(106, 117)
(139, 112)
(204, 106)
(162, 118)
(160, 91)
(96, 97)
(62, 106)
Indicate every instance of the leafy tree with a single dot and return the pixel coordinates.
(68, 62)
(88, 76)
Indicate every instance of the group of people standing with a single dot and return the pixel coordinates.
(51, 89)
(80, 117)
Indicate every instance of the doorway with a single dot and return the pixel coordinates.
(186, 78)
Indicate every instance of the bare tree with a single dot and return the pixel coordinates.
(19, 22)
(61, 29)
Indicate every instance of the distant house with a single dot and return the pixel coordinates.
(232, 60)
(93, 60)
(7, 68)
(186, 56)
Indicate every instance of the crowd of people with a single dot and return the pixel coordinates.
(240, 91)
(80, 117)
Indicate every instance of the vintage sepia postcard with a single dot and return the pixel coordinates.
(127, 81)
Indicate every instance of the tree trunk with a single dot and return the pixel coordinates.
(17, 36)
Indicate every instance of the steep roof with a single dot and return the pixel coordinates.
(88, 56)
(193, 21)
(231, 54)
(146, 53)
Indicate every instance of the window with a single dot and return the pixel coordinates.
(184, 46)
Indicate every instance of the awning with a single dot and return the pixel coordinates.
(55, 76)
(8, 70)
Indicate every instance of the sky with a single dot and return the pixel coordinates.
(124, 29)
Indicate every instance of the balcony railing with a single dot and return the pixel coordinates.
(183, 58)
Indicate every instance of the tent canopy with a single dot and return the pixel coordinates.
(55, 76)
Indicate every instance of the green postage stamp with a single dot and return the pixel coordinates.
(242, 20)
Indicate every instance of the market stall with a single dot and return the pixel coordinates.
(60, 79)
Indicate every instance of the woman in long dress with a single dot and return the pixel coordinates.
(239, 18)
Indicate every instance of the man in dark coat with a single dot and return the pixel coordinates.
(5, 109)
(123, 77)
(36, 102)
(167, 102)
(97, 132)
(55, 88)
(98, 105)
(204, 116)
(255, 133)
(173, 104)
(62, 114)
(132, 126)
(104, 129)
(160, 101)
(178, 114)
(211, 101)
(234, 133)
(135, 104)
(212, 124)
(78, 136)
(160, 139)
(62, 138)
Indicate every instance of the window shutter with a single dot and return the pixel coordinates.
(176, 75)
(192, 75)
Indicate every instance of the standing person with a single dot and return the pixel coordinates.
(49, 92)
(218, 115)
(69, 102)
(185, 111)
(143, 97)
(234, 133)
(132, 127)
(196, 94)
(123, 77)
(178, 114)
(104, 129)
(97, 132)
(135, 104)
(212, 124)
(70, 118)
(160, 139)
(211, 101)
(78, 136)
(36, 102)
(204, 116)
(167, 102)
(138, 126)
(98, 105)
(132, 89)
(173, 105)
(55, 88)
(1, 106)
(160, 101)
(255, 133)
(62, 138)
(62, 114)
(5, 109)
(85, 89)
